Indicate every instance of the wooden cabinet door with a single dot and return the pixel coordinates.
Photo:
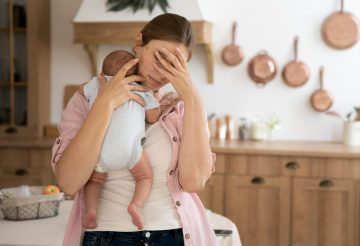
(213, 195)
(324, 212)
(260, 208)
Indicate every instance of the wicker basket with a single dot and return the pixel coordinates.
(15, 204)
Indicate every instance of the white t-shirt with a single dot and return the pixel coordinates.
(159, 212)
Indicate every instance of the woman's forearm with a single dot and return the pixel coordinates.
(79, 159)
(195, 159)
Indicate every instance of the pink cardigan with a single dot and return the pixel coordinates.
(196, 226)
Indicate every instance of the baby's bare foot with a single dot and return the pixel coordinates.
(135, 213)
(90, 219)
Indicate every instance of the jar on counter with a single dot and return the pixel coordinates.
(259, 130)
(351, 135)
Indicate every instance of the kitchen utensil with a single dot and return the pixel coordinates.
(218, 129)
(262, 68)
(232, 54)
(295, 73)
(228, 130)
(341, 30)
(351, 133)
(357, 116)
(336, 114)
(321, 100)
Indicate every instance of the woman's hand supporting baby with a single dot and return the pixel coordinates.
(79, 159)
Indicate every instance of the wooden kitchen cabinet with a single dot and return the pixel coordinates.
(324, 212)
(25, 162)
(260, 207)
(24, 67)
(290, 193)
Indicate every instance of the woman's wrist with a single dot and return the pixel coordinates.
(103, 104)
(192, 97)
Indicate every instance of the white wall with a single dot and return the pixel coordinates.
(262, 24)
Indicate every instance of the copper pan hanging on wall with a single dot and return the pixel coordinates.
(232, 54)
(341, 30)
(321, 100)
(295, 73)
(262, 68)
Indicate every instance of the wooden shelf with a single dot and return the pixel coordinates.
(16, 84)
(16, 29)
(93, 34)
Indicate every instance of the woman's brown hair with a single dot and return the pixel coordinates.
(169, 27)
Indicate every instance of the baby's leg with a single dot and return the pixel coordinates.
(143, 176)
(92, 191)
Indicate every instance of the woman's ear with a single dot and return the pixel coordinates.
(137, 41)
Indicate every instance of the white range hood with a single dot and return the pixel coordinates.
(96, 11)
(94, 25)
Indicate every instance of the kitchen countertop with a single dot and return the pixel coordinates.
(286, 148)
(50, 231)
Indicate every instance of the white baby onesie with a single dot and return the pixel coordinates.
(122, 142)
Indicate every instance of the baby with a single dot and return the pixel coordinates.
(122, 142)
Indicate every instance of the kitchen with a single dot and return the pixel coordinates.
(302, 136)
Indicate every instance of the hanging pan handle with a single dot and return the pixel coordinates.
(342, 6)
(321, 74)
(233, 35)
(296, 43)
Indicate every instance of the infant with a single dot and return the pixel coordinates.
(122, 142)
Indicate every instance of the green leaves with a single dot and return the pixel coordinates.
(118, 5)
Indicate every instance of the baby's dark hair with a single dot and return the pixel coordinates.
(115, 60)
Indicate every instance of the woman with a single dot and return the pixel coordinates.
(177, 147)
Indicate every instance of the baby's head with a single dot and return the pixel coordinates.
(115, 60)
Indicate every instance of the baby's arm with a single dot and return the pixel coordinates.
(152, 115)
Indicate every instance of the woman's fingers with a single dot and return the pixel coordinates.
(164, 72)
(165, 64)
(181, 57)
(138, 99)
(124, 69)
(134, 78)
(101, 78)
(171, 58)
(138, 88)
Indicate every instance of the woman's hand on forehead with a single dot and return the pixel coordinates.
(174, 68)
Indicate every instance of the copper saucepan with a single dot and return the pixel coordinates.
(232, 54)
(262, 68)
(321, 100)
(295, 73)
(341, 30)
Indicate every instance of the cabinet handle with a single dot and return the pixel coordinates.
(11, 130)
(292, 165)
(21, 172)
(258, 180)
(326, 183)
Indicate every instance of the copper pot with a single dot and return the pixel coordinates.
(321, 100)
(232, 54)
(295, 73)
(341, 30)
(262, 68)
